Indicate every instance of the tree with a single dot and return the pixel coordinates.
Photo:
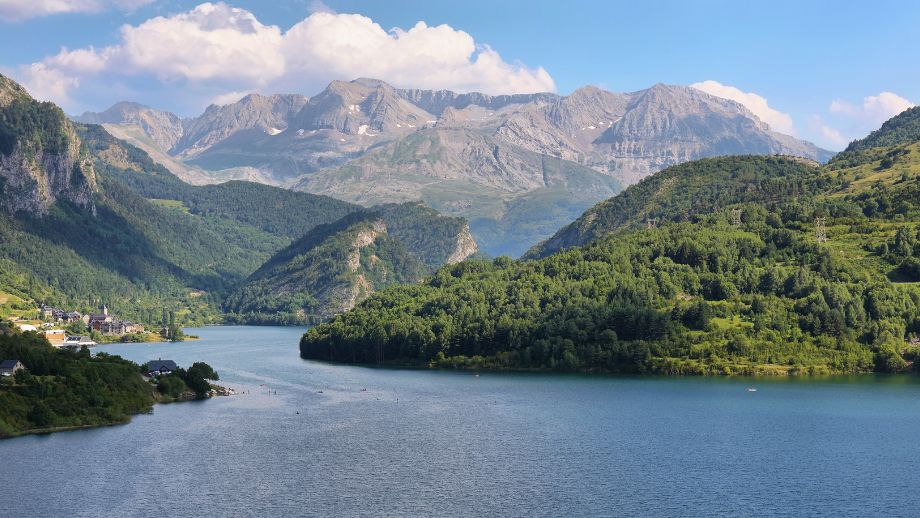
(204, 371)
(171, 385)
(910, 269)
(197, 376)
(41, 415)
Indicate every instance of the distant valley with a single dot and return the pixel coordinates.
(87, 219)
(518, 167)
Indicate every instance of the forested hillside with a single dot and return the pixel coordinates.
(754, 265)
(151, 242)
(334, 266)
(279, 212)
(686, 191)
(903, 128)
(65, 389)
(89, 219)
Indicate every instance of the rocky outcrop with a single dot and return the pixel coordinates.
(164, 128)
(364, 238)
(367, 142)
(32, 181)
(41, 157)
(266, 114)
(334, 267)
(466, 246)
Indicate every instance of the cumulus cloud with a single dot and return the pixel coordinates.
(225, 99)
(827, 135)
(874, 110)
(777, 120)
(48, 83)
(210, 42)
(846, 121)
(18, 10)
(352, 45)
(225, 50)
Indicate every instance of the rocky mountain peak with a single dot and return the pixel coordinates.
(586, 107)
(372, 83)
(163, 127)
(254, 111)
(360, 107)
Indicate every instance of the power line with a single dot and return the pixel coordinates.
(736, 217)
(820, 230)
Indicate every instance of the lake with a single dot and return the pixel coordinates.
(453, 444)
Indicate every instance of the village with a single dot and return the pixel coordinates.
(71, 329)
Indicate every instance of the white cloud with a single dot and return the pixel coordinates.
(228, 98)
(48, 83)
(777, 120)
(829, 136)
(210, 42)
(846, 121)
(224, 50)
(875, 109)
(351, 45)
(18, 10)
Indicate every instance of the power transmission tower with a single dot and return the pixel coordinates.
(820, 230)
(736, 217)
(651, 222)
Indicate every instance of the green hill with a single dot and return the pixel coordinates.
(65, 389)
(336, 265)
(184, 248)
(86, 218)
(903, 128)
(685, 192)
(699, 293)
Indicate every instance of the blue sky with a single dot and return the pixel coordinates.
(825, 71)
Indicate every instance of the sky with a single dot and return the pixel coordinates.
(824, 71)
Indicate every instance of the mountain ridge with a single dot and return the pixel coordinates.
(88, 218)
(318, 143)
(736, 265)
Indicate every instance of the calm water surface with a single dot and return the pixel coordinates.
(451, 444)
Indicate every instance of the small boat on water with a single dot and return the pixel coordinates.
(751, 389)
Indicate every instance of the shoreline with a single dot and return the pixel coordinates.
(159, 400)
(759, 374)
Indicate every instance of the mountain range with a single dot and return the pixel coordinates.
(752, 265)
(87, 218)
(517, 166)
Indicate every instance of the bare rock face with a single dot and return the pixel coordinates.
(268, 114)
(484, 157)
(361, 107)
(41, 157)
(436, 101)
(164, 128)
(466, 247)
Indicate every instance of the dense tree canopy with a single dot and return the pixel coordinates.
(62, 388)
(698, 293)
